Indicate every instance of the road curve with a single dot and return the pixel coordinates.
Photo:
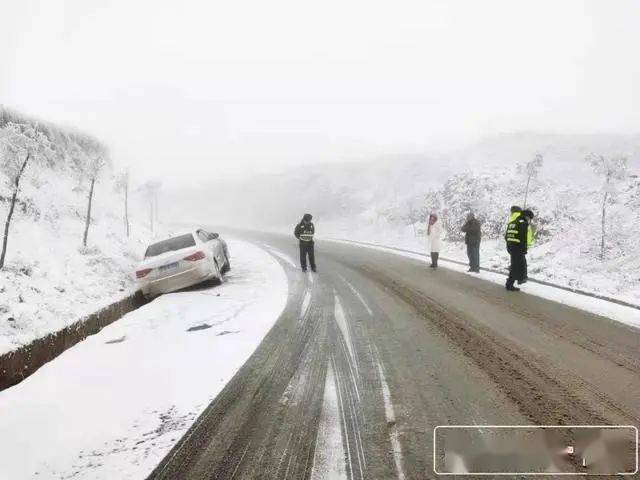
(375, 350)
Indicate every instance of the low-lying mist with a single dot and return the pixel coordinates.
(393, 187)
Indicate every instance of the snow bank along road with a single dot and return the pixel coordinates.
(375, 350)
(112, 406)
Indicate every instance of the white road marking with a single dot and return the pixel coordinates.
(282, 256)
(341, 320)
(329, 456)
(310, 275)
(357, 294)
(390, 415)
(305, 304)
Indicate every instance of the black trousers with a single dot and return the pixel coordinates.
(434, 259)
(518, 267)
(306, 249)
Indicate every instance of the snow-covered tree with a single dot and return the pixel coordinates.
(122, 186)
(150, 190)
(416, 213)
(530, 171)
(87, 159)
(20, 144)
(612, 170)
(92, 168)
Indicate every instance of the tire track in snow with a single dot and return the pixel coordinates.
(281, 255)
(347, 378)
(390, 415)
(357, 295)
(304, 308)
(246, 449)
(329, 457)
(351, 413)
(341, 320)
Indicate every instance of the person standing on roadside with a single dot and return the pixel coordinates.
(472, 234)
(304, 232)
(516, 238)
(434, 232)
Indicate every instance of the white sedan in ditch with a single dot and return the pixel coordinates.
(182, 261)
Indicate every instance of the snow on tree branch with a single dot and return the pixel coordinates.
(530, 170)
(19, 145)
(612, 169)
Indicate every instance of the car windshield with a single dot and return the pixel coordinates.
(175, 243)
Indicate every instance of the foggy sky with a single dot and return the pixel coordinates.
(206, 90)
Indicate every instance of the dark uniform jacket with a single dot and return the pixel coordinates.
(516, 234)
(471, 229)
(304, 231)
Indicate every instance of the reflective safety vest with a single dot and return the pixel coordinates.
(514, 233)
(306, 232)
(531, 236)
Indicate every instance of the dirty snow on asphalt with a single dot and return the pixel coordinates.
(390, 415)
(114, 405)
(329, 457)
(620, 313)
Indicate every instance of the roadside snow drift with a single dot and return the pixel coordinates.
(115, 404)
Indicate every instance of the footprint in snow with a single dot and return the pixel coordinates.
(195, 328)
(226, 332)
(116, 340)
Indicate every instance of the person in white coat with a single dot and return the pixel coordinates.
(434, 241)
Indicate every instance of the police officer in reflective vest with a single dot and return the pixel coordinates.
(304, 232)
(516, 237)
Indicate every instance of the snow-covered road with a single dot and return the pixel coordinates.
(376, 349)
(620, 313)
(114, 405)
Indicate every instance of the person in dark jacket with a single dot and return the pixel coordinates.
(472, 234)
(304, 232)
(516, 238)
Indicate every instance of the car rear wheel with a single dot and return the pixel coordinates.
(227, 265)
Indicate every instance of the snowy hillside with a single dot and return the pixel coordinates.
(49, 279)
(387, 201)
(567, 198)
(568, 223)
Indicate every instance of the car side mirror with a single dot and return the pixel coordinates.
(214, 236)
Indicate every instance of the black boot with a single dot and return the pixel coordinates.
(509, 285)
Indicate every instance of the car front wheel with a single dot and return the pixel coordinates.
(217, 273)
